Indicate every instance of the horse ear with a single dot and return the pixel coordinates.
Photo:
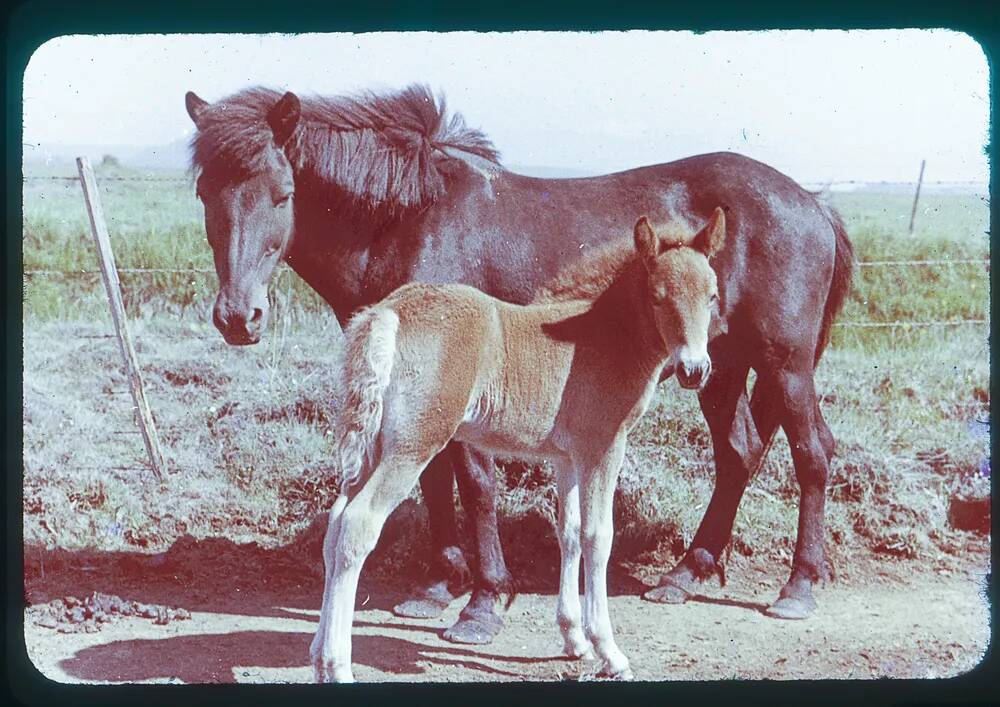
(283, 117)
(195, 106)
(647, 244)
(712, 237)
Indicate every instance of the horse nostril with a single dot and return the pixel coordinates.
(219, 321)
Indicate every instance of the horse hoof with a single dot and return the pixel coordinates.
(474, 631)
(792, 608)
(420, 608)
(669, 592)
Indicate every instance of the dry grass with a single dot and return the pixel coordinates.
(245, 430)
(246, 437)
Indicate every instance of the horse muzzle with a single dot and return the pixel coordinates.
(240, 328)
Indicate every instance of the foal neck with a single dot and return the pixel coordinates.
(624, 310)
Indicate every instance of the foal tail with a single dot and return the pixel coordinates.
(840, 285)
(368, 357)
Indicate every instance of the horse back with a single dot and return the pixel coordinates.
(510, 235)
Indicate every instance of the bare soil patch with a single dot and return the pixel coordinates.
(253, 612)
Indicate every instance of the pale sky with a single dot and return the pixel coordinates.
(820, 106)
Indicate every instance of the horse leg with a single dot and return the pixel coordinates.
(737, 449)
(596, 496)
(479, 623)
(353, 529)
(449, 571)
(825, 435)
(811, 446)
(569, 615)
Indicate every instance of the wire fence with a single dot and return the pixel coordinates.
(968, 183)
(862, 264)
(208, 334)
(904, 324)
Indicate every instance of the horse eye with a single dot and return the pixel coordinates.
(273, 248)
(714, 299)
(283, 200)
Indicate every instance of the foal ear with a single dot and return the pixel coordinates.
(712, 237)
(647, 244)
(283, 118)
(195, 106)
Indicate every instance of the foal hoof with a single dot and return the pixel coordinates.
(324, 673)
(792, 608)
(431, 605)
(580, 653)
(669, 592)
(621, 675)
(478, 631)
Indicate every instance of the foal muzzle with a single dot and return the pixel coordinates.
(694, 375)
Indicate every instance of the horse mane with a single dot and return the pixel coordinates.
(589, 276)
(390, 149)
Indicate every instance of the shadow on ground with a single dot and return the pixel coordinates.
(219, 575)
(215, 657)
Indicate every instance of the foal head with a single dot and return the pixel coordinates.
(684, 293)
(246, 185)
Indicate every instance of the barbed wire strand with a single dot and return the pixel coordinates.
(210, 271)
(208, 336)
(821, 185)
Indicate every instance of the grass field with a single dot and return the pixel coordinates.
(246, 431)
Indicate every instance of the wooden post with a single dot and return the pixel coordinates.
(111, 283)
(920, 180)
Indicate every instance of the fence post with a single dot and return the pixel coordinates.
(920, 180)
(109, 273)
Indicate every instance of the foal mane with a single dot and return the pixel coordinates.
(390, 149)
(589, 276)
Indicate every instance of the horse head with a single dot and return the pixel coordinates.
(249, 211)
(683, 293)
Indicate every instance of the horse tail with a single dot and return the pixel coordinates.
(840, 284)
(367, 366)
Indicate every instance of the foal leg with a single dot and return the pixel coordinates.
(449, 572)
(479, 622)
(569, 615)
(811, 446)
(737, 450)
(355, 524)
(596, 495)
(324, 632)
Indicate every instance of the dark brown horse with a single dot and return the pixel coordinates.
(361, 195)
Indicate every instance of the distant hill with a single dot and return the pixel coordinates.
(175, 156)
(546, 172)
(172, 156)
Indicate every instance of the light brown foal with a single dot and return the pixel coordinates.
(563, 379)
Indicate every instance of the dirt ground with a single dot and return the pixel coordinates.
(254, 611)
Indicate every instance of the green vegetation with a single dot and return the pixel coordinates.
(246, 430)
